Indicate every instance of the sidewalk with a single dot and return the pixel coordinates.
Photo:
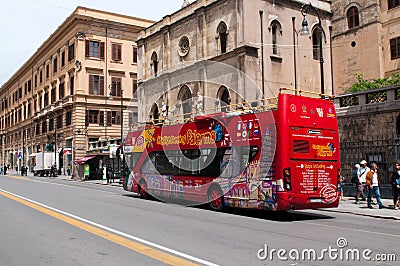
(96, 182)
(349, 206)
(69, 178)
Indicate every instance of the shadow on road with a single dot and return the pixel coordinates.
(280, 216)
(277, 216)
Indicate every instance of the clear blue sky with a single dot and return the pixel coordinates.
(26, 24)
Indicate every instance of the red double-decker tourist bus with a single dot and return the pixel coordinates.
(284, 158)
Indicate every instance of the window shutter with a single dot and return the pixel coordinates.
(119, 49)
(108, 118)
(114, 52)
(87, 49)
(118, 118)
(134, 55)
(101, 84)
(91, 84)
(101, 50)
(101, 116)
(118, 92)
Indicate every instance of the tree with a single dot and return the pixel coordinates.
(362, 84)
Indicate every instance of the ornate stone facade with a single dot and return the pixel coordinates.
(251, 36)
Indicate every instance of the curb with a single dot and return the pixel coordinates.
(363, 214)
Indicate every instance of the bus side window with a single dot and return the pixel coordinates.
(132, 159)
(163, 164)
(148, 166)
(230, 165)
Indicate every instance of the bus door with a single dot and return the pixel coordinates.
(314, 163)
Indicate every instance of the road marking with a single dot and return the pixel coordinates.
(18, 177)
(139, 245)
(350, 229)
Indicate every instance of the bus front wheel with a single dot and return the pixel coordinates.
(143, 190)
(215, 198)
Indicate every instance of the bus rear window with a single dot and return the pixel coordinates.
(301, 146)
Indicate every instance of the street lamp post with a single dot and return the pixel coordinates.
(122, 134)
(55, 138)
(55, 145)
(305, 31)
(24, 171)
(117, 86)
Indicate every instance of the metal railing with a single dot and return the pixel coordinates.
(255, 106)
(381, 95)
(239, 108)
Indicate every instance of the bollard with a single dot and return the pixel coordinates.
(105, 175)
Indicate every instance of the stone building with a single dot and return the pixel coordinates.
(228, 52)
(59, 99)
(365, 40)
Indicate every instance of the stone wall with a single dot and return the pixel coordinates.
(369, 128)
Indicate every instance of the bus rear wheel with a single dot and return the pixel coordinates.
(215, 198)
(143, 190)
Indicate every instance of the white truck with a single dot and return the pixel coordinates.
(44, 161)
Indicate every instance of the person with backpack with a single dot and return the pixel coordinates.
(354, 178)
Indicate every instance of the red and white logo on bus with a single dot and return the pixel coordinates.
(328, 194)
(140, 141)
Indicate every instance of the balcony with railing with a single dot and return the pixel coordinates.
(67, 100)
(386, 98)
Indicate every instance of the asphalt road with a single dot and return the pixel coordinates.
(58, 222)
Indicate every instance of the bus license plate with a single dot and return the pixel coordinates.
(315, 200)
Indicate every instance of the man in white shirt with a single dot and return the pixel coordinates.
(362, 173)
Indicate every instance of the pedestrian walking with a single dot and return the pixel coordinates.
(372, 184)
(110, 178)
(395, 182)
(361, 174)
(354, 178)
(53, 170)
(341, 182)
(69, 168)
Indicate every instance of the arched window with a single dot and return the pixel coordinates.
(352, 17)
(224, 97)
(154, 63)
(276, 31)
(398, 125)
(184, 98)
(154, 113)
(316, 34)
(393, 3)
(223, 36)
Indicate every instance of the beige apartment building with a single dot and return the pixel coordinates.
(59, 100)
(181, 55)
(365, 40)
